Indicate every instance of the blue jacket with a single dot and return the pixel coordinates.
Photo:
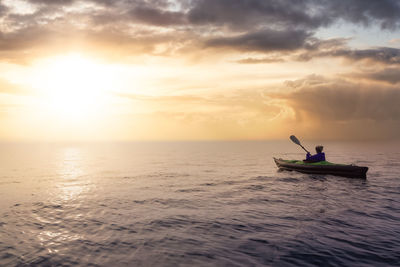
(315, 158)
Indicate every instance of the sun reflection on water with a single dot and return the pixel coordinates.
(71, 173)
(59, 219)
(70, 163)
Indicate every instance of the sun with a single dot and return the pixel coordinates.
(73, 87)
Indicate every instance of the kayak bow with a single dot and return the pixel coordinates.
(322, 167)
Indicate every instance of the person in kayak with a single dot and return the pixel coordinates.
(320, 156)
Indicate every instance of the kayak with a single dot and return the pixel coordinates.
(322, 167)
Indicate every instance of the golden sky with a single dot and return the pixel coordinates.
(116, 70)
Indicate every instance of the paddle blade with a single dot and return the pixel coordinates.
(295, 140)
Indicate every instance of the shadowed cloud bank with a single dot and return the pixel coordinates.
(345, 107)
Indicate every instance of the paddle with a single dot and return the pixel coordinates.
(297, 142)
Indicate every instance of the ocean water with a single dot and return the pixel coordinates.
(196, 204)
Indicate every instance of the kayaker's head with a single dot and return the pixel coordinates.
(319, 149)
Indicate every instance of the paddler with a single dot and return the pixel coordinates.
(320, 156)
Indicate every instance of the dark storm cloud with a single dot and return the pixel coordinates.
(266, 40)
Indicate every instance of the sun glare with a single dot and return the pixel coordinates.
(73, 87)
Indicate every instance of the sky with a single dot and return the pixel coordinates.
(102, 70)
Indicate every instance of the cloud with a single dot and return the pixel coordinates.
(383, 55)
(107, 32)
(3, 9)
(386, 13)
(309, 14)
(52, 2)
(255, 13)
(388, 75)
(240, 115)
(264, 60)
(239, 25)
(145, 13)
(24, 38)
(386, 55)
(240, 107)
(264, 41)
(252, 101)
(340, 107)
(154, 16)
(343, 100)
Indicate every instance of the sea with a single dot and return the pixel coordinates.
(196, 204)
